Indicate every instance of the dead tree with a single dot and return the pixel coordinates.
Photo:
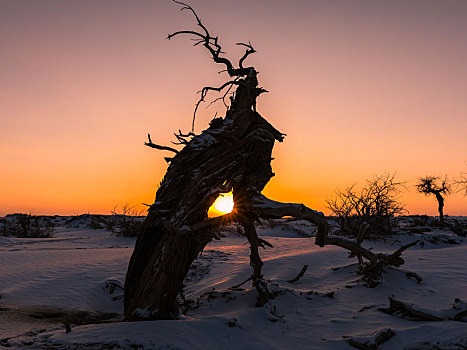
(461, 183)
(232, 154)
(434, 185)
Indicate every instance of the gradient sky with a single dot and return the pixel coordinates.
(359, 87)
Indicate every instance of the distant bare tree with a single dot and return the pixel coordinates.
(375, 204)
(434, 185)
(461, 183)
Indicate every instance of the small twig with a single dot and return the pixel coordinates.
(241, 284)
(223, 96)
(399, 251)
(262, 243)
(182, 138)
(300, 274)
(205, 91)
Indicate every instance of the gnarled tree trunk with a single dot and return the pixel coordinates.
(233, 154)
(440, 200)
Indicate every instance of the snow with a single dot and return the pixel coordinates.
(80, 273)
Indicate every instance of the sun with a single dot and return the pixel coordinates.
(224, 204)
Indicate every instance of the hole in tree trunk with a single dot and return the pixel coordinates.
(224, 204)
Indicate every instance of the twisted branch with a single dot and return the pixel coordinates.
(211, 43)
(205, 91)
(248, 52)
(183, 138)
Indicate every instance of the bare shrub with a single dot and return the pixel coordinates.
(458, 227)
(26, 226)
(376, 204)
(126, 221)
(423, 220)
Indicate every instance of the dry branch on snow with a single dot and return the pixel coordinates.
(458, 311)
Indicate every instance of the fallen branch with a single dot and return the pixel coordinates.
(355, 248)
(457, 313)
(373, 269)
(300, 274)
(413, 275)
(242, 283)
(266, 208)
(373, 342)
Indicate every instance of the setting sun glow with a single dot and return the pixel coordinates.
(224, 204)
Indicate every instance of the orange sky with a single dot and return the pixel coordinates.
(359, 87)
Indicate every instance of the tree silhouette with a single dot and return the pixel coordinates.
(434, 185)
(375, 204)
(232, 154)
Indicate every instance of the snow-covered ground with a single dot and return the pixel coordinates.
(75, 277)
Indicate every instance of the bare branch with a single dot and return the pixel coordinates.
(170, 36)
(182, 138)
(248, 52)
(267, 208)
(399, 251)
(263, 242)
(409, 310)
(375, 260)
(461, 183)
(209, 42)
(242, 283)
(205, 91)
(159, 147)
(223, 96)
(189, 8)
(300, 274)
